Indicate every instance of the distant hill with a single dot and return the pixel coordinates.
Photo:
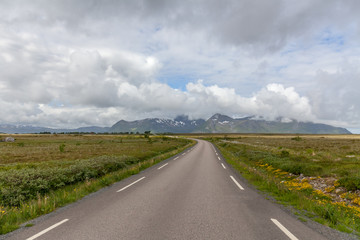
(11, 129)
(8, 128)
(224, 124)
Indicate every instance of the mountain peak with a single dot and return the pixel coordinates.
(182, 118)
(220, 118)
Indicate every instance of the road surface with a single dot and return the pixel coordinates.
(194, 195)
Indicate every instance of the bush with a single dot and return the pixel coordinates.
(294, 168)
(313, 170)
(19, 185)
(62, 148)
(284, 154)
(297, 138)
(350, 183)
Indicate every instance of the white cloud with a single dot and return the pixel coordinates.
(339, 100)
(277, 101)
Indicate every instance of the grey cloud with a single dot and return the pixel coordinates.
(267, 25)
(103, 58)
(340, 99)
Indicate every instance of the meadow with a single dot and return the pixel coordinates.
(39, 173)
(318, 175)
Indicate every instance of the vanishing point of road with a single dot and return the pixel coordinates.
(194, 195)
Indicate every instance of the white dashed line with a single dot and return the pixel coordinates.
(237, 184)
(130, 184)
(176, 158)
(48, 229)
(219, 159)
(282, 228)
(223, 165)
(183, 154)
(216, 153)
(163, 166)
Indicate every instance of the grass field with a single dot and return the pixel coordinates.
(39, 173)
(43, 148)
(319, 175)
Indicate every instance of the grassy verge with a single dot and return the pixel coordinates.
(285, 181)
(11, 217)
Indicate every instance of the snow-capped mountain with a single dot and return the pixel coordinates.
(219, 123)
(181, 124)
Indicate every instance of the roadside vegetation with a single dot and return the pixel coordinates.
(39, 173)
(318, 175)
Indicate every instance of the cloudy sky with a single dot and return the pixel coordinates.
(73, 63)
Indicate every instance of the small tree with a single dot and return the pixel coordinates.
(147, 134)
(62, 148)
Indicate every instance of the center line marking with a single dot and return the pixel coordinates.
(163, 166)
(237, 184)
(223, 165)
(282, 228)
(130, 184)
(48, 229)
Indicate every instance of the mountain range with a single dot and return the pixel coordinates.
(218, 123)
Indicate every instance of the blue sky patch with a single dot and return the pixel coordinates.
(177, 81)
(328, 37)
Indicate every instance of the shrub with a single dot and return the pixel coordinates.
(297, 138)
(62, 148)
(284, 154)
(350, 183)
(19, 185)
(294, 168)
(313, 170)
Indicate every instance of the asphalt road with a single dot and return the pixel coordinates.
(194, 195)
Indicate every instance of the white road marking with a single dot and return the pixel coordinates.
(183, 154)
(237, 184)
(223, 165)
(176, 158)
(163, 166)
(130, 184)
(219, 159)
(48, 229)
(216, 153)
(282, 228)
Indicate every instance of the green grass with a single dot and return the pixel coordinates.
(267, 166)
(302, 219)
(309, 156)
(44, 148)
(30, 189)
